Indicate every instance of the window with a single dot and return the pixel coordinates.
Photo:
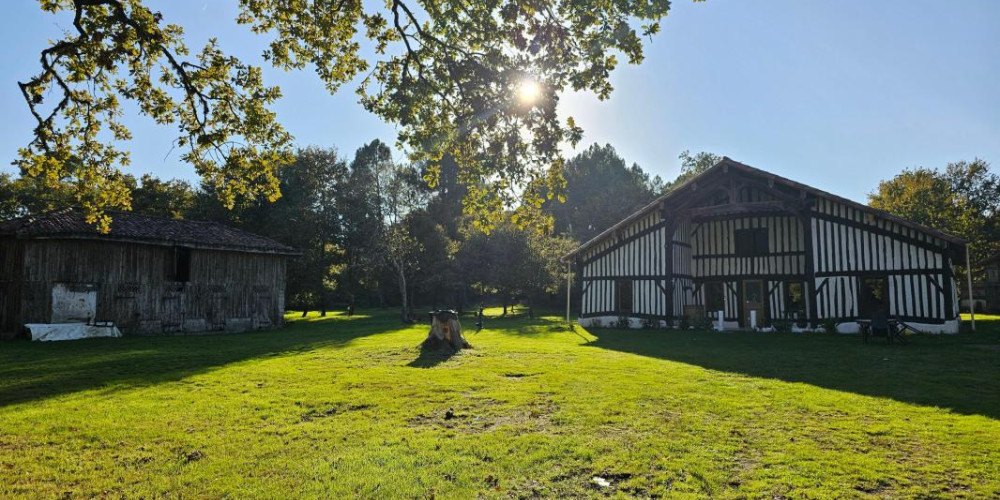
(624, 295)
(180, 265)
(795, 299)
(714, 297)
(751, 242)
(873, 296)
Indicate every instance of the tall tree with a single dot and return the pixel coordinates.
(21, 196)
(173, 198)
(469, 79)
(964, 200)
(601, 189)
(363, 210)
(514, 262)
(691, 166)
(396, 242)
(308, 217)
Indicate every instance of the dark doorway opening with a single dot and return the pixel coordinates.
(873, 296)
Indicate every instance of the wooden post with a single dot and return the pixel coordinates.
(569, 282)
(949, 289)
(968, 279)
(805, 218)
(669, 229)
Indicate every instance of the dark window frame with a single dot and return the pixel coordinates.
(715, 301)
(751, 242)
(791, 306)
(180, 265)
(624, 296)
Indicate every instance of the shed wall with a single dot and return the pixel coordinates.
(136, 290)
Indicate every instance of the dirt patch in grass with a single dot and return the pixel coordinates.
(483, 417)
(331, 410)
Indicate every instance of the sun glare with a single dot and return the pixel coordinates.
(528, 91)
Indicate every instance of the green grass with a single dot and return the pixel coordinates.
(339, 407)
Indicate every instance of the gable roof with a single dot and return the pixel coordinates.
(728, 163)
(132, 227)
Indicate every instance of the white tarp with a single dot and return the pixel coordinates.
(70, 331)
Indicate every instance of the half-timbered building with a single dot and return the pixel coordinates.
(147, 275)
(759, 247)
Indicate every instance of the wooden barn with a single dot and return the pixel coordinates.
(148, 275)
(761, 248)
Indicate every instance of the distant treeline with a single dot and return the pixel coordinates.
(373, 232)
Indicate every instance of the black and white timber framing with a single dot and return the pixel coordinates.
(737, 239)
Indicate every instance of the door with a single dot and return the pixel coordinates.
(873, 296)
(754, 303)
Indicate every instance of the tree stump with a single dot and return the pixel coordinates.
(446, 332)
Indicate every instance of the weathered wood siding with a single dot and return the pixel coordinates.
(225, 290)
(11, 259)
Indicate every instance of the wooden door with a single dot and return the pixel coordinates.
(754, 299)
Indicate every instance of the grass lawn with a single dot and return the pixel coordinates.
(339, 407)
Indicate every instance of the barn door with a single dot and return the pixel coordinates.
(217, 312)
(172, 314)
(262, 308)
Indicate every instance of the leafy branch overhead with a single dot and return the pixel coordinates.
(446, 73)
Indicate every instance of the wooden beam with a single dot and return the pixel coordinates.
(741, 208)
(805, 218)
(670, 226)
(949, 283)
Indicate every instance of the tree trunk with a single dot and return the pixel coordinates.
(446, 332)
(405, 313)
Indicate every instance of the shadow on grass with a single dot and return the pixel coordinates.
(959, 372)
(429, 358)
(38, 370)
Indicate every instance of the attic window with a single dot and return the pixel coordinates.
(180, 269)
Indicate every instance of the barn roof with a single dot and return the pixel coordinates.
(133, 227)
(728, 163)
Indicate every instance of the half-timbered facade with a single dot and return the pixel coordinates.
(147, 275)
(760, 248)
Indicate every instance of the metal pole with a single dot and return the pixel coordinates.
(569, 280)
(968, 279)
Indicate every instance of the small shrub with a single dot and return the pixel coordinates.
(800, 319)
(650, 323)
(781, 325)
(829, 326)
(702, 323)
(596, 323)
(622, 322)
(684, 322)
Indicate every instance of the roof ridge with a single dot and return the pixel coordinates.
(70, 222)
(799, 185)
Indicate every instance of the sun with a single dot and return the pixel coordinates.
(528, 91)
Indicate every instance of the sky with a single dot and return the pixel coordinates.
(838, 95)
